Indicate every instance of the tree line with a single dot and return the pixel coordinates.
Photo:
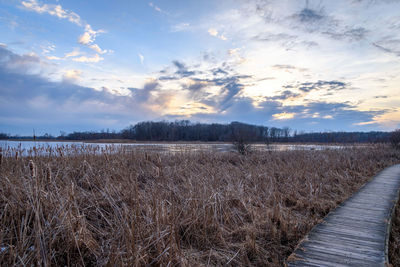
(184, 130)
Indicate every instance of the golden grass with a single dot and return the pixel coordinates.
(186, 209)
(394, 241)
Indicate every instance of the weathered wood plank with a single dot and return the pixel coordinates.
(355, 233)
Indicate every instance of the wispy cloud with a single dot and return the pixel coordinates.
(180, 27)
(54, 10)
(87, 38)
(214, 32)
(157, 8)
(141, 57)
(94, 59)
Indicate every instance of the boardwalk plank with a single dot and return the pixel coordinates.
(355, 234)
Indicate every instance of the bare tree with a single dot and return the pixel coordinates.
(395, 139)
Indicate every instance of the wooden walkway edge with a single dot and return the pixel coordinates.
(357, 232)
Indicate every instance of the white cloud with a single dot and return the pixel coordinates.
(214, 32)
(180, 27)
(96, 48)
(54, 10)
(47, 49)
(155, 7)
(3, 45)
(96, 58)
(73, 53)
(141, 57)
(72, 75)
(87, 38)
(54, 58)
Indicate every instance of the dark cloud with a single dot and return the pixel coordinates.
(274, 37)
(196, 86)
(285, 95)
(182, 69)
(288, 67)
(31, 101)
(218, 71)
(308, 15)
(144, 94)
(391, 46)
(353, 34)
(328, 85)
(312, 116)
(182, 72)
(28, 63)
(317, 20)
(221, 76)
(179, 64)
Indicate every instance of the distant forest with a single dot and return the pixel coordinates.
(185, 130)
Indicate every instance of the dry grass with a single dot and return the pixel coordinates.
(394, 241)
(199, 209)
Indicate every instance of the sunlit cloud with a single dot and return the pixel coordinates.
(309, 65)
(87, 38)
(94, 59)
(72, 75)
(54, 10)
(215, 33)
(283, 116)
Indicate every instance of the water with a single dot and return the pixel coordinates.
(52, 148)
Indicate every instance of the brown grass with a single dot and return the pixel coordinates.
(189, 209)
(394, 241)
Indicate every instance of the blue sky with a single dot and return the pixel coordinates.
(92, 65)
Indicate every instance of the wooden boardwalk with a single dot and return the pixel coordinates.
(357, 232)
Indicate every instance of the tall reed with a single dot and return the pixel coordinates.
(185, 209)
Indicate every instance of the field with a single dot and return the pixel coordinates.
(184, 209)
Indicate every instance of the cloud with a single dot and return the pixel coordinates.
(96, 48)
(352, 34)
(77, 56)
(287, 67)
(283, 116)
(285, 95)
(73, 53)
(53, 10)
(34, 101)
(180, 27)
(319, 85)
(307, 15)
(157, 8)
(26, 103)
(141, 57)
(72, 75)
(94, 59)
(381, 96)
(182, 70)
(87, 38)
(389, 45)
(214, 32)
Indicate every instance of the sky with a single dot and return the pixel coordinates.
(92, 65)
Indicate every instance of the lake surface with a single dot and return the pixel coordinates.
(50, 148)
